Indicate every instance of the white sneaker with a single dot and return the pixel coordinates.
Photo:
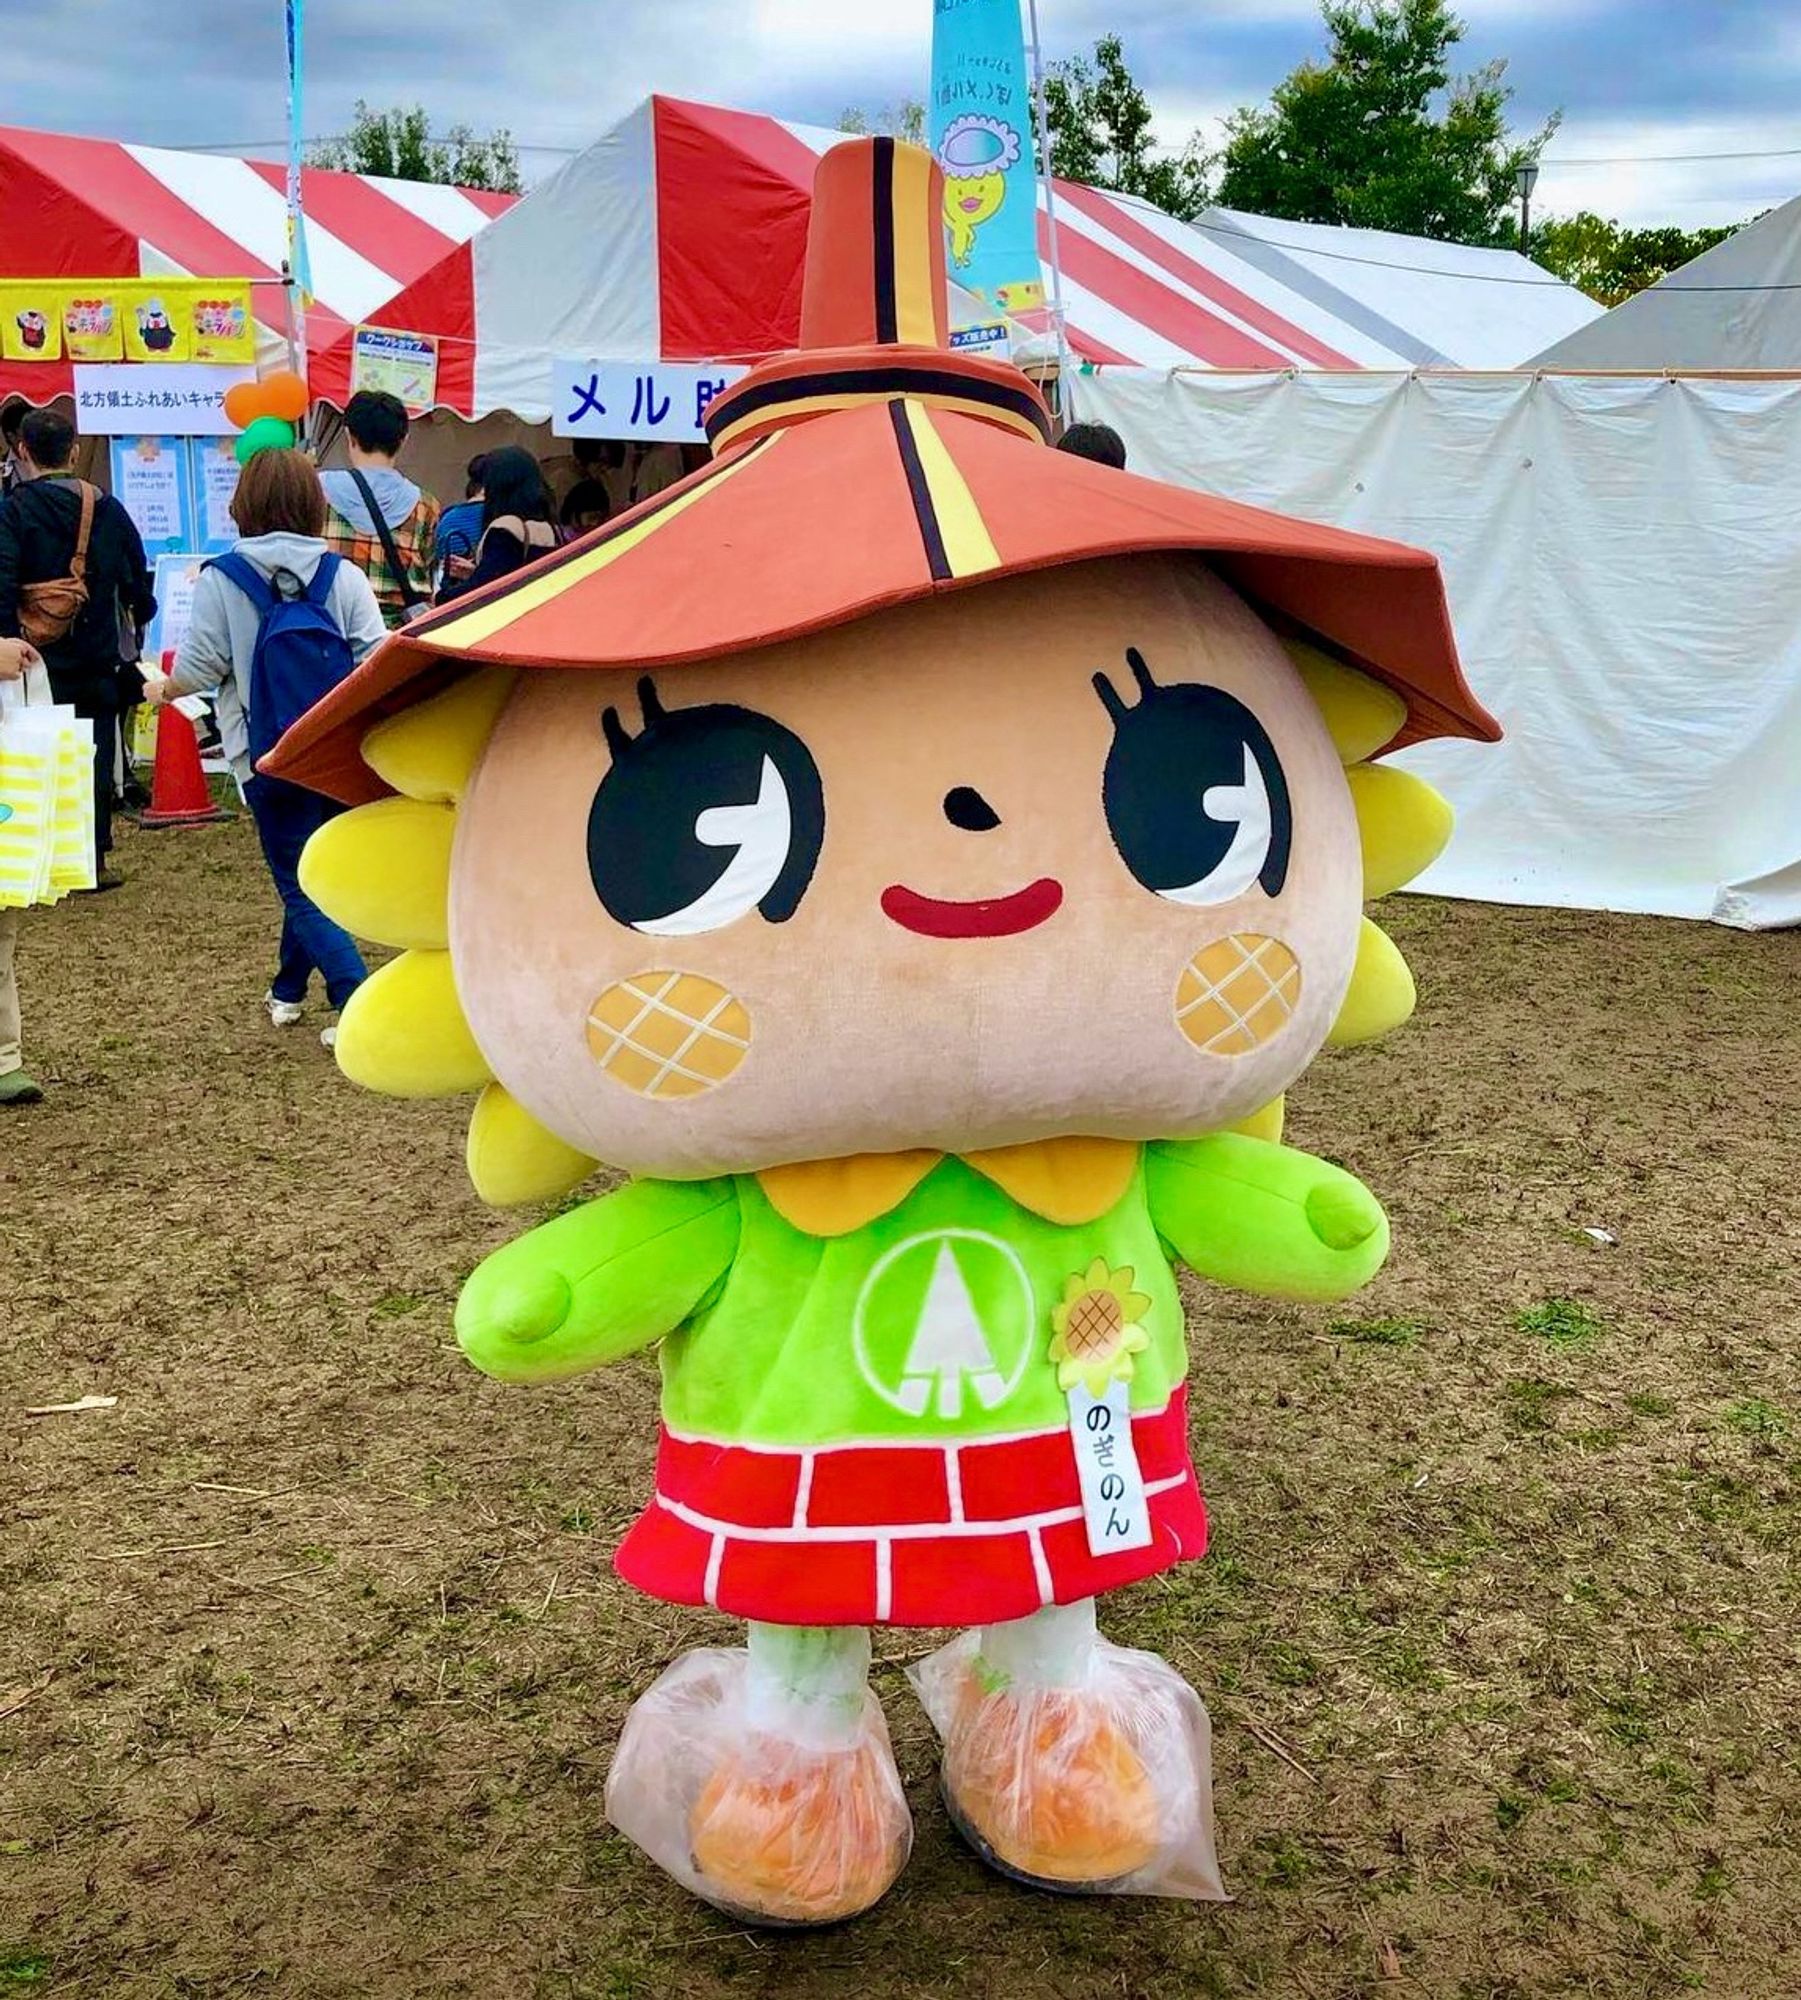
(283, 1013)
(329, 1036)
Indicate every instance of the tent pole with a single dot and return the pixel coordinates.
(1064, 385)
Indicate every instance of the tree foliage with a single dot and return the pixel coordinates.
(1100, 127)
(1610, 262)
(398, 145)
(905, 120)
(1381, 134)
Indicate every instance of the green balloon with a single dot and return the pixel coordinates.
(265, 434)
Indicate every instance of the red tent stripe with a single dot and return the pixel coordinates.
(729, 249)
(1127, 227)
(130, 197)
(1141, 297)
(359, 214)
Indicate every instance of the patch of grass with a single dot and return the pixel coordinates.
(1531, 1403)
(1626, 1721)
(1286, 1861)
(577, 1521)
(1642, 1405)
(1714, 1880)
(396, 1305)
(21, 1969)
(1378, 1332)
(1757, 1417)
(1559, 1323)
(1510, 1809)
(1291, 1665)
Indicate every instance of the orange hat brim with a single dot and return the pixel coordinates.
(876, 504)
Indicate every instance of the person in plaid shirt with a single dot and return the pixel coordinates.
(373, 496)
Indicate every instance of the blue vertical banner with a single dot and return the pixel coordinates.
(299, 264)
(981, 134)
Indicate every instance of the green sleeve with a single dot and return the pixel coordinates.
(598, 1283)
(1264, 1218)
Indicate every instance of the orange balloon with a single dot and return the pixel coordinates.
(244, 403)
(285, 395)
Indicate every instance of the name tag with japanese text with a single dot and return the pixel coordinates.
(1115, 1508)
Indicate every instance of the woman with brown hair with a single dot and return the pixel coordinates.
(279, 576)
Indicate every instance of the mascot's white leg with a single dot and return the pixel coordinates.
(1073, 1764)
(762, 1777)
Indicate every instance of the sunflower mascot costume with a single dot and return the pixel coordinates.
(920, 860)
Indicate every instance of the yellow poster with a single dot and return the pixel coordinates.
(158, 320)
(219, 324)
(127, 319)
(31, 323)
(91, 323)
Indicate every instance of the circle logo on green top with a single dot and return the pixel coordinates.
(944, 1325)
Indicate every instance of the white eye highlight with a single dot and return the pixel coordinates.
(762, 832)
(1245, 806)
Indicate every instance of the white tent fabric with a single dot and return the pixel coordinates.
(1431, 304)
(1623, 556)
(1736, 306)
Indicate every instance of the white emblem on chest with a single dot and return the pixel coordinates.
(944, 1317)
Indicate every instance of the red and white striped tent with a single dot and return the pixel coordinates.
(680, 235)
(91, 208)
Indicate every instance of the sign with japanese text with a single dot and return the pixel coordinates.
(981, 133)
(398, 364)
(150, 481)
(990, 337)
(1116, 1509)
(651, 402)
(213, 478)
(182, 399)
(126, 319)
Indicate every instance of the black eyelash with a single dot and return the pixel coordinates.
(614, 729)
(1110, 695)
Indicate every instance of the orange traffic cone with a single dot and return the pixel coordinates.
(178, 792)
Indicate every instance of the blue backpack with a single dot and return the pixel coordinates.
(300, 653)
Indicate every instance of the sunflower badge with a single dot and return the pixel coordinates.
(1098, 1326)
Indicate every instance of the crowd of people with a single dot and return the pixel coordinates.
(363, 548)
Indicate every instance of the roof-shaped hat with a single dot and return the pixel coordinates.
(875, 466)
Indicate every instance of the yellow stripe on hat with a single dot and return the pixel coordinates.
(918, 317)
(968, 547)
(461, 635)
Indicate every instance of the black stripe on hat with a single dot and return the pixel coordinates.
(887, 316)
(923, 511)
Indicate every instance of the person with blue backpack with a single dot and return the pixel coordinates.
(276, 624)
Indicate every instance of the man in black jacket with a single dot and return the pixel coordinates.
(40, 522)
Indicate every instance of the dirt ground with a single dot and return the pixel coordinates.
(311, 1657)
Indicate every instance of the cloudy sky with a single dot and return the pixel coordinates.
(1638, 81)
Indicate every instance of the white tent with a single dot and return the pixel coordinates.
(1737, 306)
(1431, 304)
(680, 235)
(1623, 556)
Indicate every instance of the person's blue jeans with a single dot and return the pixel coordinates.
(286, 818)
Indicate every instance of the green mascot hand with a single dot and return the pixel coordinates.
(1264, 1218)
(599, 1283)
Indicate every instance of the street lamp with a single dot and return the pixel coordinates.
(1526, 179)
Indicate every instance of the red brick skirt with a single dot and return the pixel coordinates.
(900, 1534)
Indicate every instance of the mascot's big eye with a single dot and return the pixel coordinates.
(1194, 795)
(706, 815)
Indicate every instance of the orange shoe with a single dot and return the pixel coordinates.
(789, 1836)
(1047, 1788)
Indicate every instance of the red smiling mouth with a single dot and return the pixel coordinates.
(997, 916)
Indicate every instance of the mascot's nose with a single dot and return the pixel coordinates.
(965, 807)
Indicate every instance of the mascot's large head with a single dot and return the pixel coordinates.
(895, 782)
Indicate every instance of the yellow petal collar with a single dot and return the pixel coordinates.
(1066, 1181)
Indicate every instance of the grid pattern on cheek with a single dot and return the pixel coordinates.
(668, 1034)
(1237, 993)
